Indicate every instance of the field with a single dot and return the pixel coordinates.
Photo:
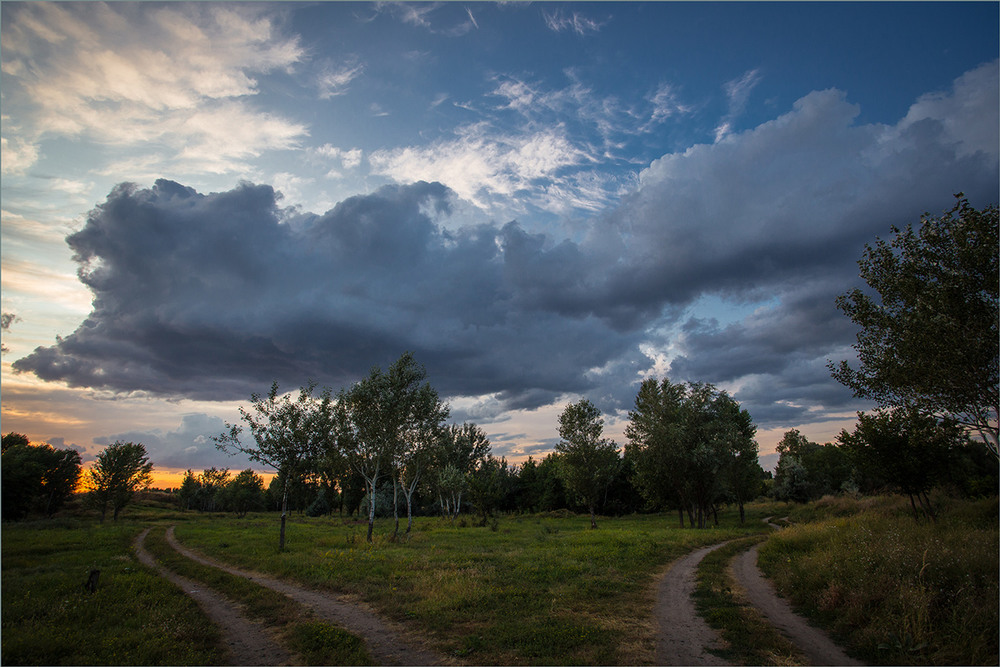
(536, 590)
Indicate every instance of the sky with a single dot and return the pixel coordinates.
(542, 201)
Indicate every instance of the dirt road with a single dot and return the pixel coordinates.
(248, 642)
(814, 643)
(386, 644)
(682, 636)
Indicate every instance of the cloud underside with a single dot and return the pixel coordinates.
(213, 296)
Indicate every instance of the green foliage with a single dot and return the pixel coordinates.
(133, 618)
(119, 472)
(588, 462)
(898, 592)
(929, 339)
(36, 479)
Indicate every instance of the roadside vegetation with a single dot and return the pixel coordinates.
(896, 591)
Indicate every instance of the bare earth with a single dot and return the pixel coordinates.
(386, 644)
(248, 642)
(682, 636)
(814, 643)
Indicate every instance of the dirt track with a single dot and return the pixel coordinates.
(683, 638)
(814, 643)
(248, 642)
(386, 644)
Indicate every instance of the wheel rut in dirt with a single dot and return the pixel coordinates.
(683, 637)
(385, 643)
(248, 642)
(815, 644)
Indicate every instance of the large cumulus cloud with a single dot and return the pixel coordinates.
(215, 295)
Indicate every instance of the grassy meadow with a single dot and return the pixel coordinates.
(537, 589)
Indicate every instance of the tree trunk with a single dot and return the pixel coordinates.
(371, 510)
(916, 515)
(742, 515)
(680, 514)
(395, 506)
(284, 513)
(593, 521)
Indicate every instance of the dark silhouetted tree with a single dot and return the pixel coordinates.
(119, 472)
(588, 462)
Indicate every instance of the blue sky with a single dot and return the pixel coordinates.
(542, 201)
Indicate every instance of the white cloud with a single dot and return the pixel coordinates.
(177, 77)
(481, 166)
(17, 156)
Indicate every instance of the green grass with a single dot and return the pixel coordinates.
(538, 590)
(134, 617)
(317, 642)
(747, 637)
(895, 591)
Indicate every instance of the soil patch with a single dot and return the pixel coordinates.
(248, 642)
(385, 643)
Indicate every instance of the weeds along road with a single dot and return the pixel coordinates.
(248, 642)
(385, 644)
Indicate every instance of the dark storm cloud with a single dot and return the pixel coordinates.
(214, 296)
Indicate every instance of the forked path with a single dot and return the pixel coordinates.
(385, 644)
(248, 642)
(814, 643)
(683, 637)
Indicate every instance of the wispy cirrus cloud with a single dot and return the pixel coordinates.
(561, 20)
(737, 94)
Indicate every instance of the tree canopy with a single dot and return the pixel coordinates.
(588, 462)
(928, 335)
(118, 473)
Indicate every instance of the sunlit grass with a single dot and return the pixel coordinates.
(133, 618)
(538, 590)
(896, 591)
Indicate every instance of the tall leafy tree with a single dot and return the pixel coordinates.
(928, 335)
(685, 441)
(119, 472)
(288, 435)
(588, 461)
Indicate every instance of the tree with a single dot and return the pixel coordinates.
(460, 450)
(36, 479)
(685, 441)
(929, 339)
(118, 473)
(245, 492)
(488, 484)
(383, 423)
(589, 462)
(907, 448)
(288, 435)
(187, 494)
